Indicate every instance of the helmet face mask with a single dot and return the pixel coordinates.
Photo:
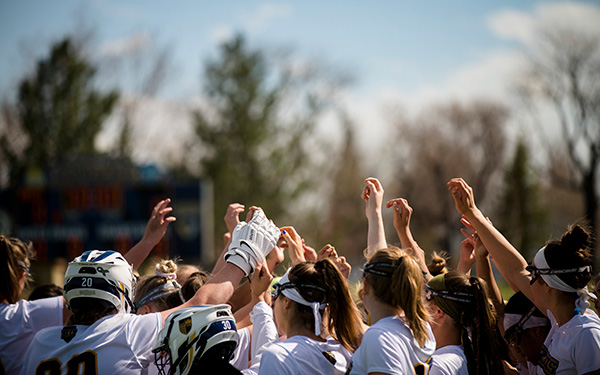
(195, 334)
(104, 275)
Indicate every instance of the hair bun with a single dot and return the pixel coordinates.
(166, 266)
(576, 238)
(438, 263)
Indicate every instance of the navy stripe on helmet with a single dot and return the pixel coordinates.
(106, 254)
(96, 283)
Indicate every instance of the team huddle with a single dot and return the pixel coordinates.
(409, 317)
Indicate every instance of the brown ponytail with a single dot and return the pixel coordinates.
(481, 339)
(344, 319)
(14, 258)
(404, 289)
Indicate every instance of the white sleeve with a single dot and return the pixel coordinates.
(264, 332)
(435, 369)
(240, 354)
(45, 312)
(142, 332)
(586, 350)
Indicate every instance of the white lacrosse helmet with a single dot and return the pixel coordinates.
(198, 333)
(104, 275)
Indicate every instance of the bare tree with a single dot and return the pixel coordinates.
(444, 142)
(564, 74)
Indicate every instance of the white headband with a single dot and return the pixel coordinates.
(168, 276)
(532, 322)
(294, 295)
(556, 282)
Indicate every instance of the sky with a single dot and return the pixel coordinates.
(404, 54)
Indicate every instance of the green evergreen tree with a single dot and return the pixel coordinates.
(255, 138)
(58, 110)
(523, 218)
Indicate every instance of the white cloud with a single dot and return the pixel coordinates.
(133, 43)
(490, 77)
(265, 14)
(221, 34)
(523, 27)
(513, 25)
(160, 128)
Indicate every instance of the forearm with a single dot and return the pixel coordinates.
(138, 254)
(241, 297)
(408, 242)
(242, 315)
(221, 259)
(507, 258)
(464, 267)
(219, 287)
(376, 233)
(484, 271)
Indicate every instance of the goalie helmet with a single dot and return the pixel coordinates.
(104, 275)
(203, 334)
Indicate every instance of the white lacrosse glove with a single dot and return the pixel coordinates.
(251, 242)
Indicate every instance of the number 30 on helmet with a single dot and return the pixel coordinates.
(199, 336)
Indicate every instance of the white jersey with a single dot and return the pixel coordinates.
(19, 322)
(241, 355)
(388, 346)
(115, 344)
(300, 355)
(573, 348)
(449, 360)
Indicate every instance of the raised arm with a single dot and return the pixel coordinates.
(402, 214)
(251, 241)
(484, 267)
(467, 254)
(155, 230)
(373, 197)
(232, 219)
(507, 258)
(260, 282)
(297, 250)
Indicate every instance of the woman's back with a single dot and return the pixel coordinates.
(303, 355)
(388, 346)
(115, 344)
(19, 322)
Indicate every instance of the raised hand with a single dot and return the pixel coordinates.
(327, 251)
(309, 253)
(373, 196)
(252, 240)
(260, 282)
(480, 249)
(344, 267)
(158, 222)
(232, 216)
(293, 242)
(463, 196)
(402, 213)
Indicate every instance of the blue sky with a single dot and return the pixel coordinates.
(411, 43)
(399, 52)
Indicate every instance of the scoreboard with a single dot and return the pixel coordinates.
(62, 222)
